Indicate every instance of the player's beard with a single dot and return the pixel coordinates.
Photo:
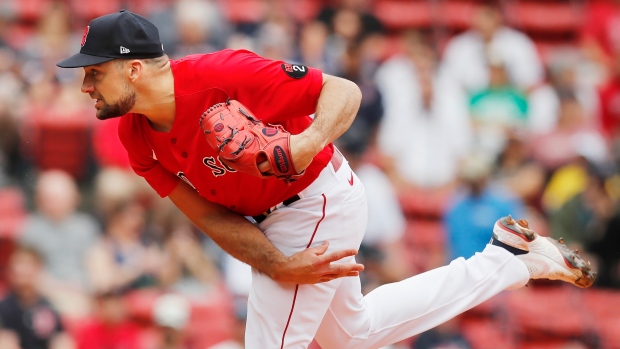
(121, 107)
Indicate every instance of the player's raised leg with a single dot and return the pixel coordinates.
(400, 310)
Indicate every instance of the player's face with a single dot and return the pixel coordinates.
(113, 95)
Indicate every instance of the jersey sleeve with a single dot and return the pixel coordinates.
(142, 158)
(273, 90)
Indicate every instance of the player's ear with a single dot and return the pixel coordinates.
(136, 68)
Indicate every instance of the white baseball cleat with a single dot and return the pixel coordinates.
(545, 258)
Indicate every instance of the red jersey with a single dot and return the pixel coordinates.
(276, 92)
(609, 111)
(601, 24)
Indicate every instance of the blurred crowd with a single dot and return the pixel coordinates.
(471, 110)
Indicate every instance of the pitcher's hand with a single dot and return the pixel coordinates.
(312, 266)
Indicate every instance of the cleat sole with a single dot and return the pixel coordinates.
(510, 225)
(574, 261)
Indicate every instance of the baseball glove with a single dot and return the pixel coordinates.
(243, 142)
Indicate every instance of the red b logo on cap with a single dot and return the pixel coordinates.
(85, 35)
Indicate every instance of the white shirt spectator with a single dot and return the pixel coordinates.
(386, 221)
(465, 58)
(426, 143)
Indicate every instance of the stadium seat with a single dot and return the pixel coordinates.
(54, 141)
(140, 304)
(602, 304)
(210, 324)
(211, 320)
(426, 233)
(552, 312)
(603, 307)
(12, 211)
(398, 15)
(245, 11)
(456, 15)
(609, 332)
(486, 334)
(424, 204)
(542, 17)
(87, 10)
(424, 241)
(30, 10)
(302, 11)
(12, 216)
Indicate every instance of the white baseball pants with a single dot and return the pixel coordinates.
(334, 208)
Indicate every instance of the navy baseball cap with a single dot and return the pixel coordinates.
(117, 35)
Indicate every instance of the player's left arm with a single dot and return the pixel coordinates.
(336, 109)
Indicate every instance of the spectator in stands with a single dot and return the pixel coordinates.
(275, 37)
(348, 22)
(109, 327)
(55, 130)
(446, 335)
(107, 147)
(27, 319)
(567, 74)
(473, 206)
(63, 236)
(312, 49)
(573, 136)
(608, 95)
(359, 65)
(517, 170)
(368, 24)
(465, 55)
(497, 110)
(425, 115)
(121, 258)
(583, 218)
(598, 33)
(10, 95)
(51, 40)
(382, 250)
(606, 248)
(171, 314)
(199, 28)
(8, 142)
(187, 269)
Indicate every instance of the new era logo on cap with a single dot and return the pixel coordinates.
(124, 50)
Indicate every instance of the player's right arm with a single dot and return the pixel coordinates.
(230, 230)
(244, 241)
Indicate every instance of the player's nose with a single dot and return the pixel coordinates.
(87, 86)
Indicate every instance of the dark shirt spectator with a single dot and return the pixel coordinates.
(63, 236)
(24, 312)
(110, 328)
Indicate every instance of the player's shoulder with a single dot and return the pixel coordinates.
(218, 57)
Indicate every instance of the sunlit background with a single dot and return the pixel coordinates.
(471, 110)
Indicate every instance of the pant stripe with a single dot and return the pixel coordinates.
(290, 315)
